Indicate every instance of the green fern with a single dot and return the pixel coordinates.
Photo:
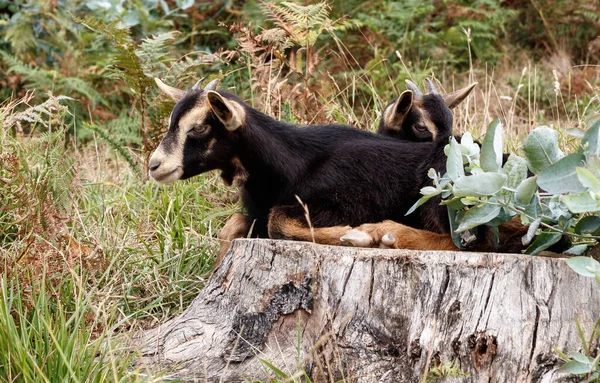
(117, 147)
(304, 23)
(20, 33)
(37, 78)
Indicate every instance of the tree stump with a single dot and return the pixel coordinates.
(376, 315)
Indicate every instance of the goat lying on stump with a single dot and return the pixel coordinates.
(405, 118)
(345, 176)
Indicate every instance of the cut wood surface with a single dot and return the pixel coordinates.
(376, 315)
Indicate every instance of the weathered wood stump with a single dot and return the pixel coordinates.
(374, 315)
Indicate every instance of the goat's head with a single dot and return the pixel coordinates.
(200, 133)
(415, 116)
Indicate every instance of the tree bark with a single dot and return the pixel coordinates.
(376, 315)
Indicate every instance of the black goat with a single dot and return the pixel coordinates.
(344, 175)
(406, 118)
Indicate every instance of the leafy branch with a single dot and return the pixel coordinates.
(559, 196)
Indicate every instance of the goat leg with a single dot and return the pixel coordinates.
(397, 236)
(236, 227)
(289, 222)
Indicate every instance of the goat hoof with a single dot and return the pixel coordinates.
(357, 238)
(388, 240)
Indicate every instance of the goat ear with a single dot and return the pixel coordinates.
(453, 99)
(174, 93)
(230, 113)
(395, 113)
(404, 103)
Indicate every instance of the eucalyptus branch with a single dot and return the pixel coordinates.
(562, 197)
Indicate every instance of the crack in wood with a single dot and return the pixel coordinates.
(372, 282)
(443, 289)
(534, 336)
(253, 328)
(346, 279)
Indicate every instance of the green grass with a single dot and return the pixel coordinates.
(92, 251)
(47, 335)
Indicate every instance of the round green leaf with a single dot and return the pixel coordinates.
(577, 249)
(592, 138)
(526, 190)
(575, 367)
(479, 185)
(586, 266)
(516, 170)
(580, 203)
(588, 179)
(478, 215)
(561, 177)
(541, 149)
(542, 242)
(588, 225)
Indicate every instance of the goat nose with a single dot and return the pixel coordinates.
(153, 165)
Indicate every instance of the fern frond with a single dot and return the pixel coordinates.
(20, 33)
(303, 23)
(47, 113)
(116, 146)
(36, 78)
(78, 85)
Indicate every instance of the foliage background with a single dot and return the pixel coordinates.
(90, 249)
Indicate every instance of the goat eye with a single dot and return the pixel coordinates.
(200, 128)
(420, 128)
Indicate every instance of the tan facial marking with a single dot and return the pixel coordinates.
(171, 168)
(426, 122)
(196, 115)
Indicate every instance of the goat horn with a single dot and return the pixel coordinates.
(212, 85)
(431, 86)
(453, 99)
(197, 85)
(174, 93)
(414, 88)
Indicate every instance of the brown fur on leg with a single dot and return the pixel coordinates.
(406, 237)
(285, 222)
(235, 227)
(288, 222)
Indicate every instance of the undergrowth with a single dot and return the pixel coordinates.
(89, 251)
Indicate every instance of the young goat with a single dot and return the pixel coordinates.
(344, 175)
(407, 118)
